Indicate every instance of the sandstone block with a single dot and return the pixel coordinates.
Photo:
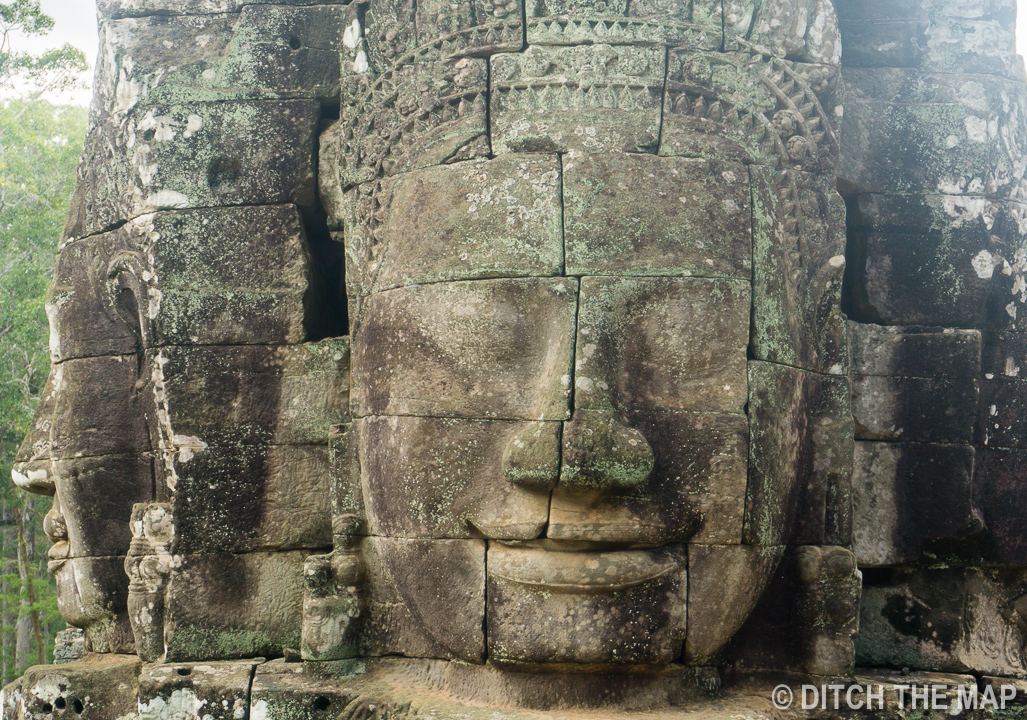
(91, 313)
(241, 498)
(548, 605)
(193, 691)
(914, 409)
(434, 349)
(948, 619)
(200, 318)
(444, 478)
(914, 352)
(609, 230)
(219, 607)
(196, 155)
(798, 263)
(650, 344)
(425, 598)
(936, 259)
(907, 494)
(800, 456)
(606, 98)
(300, 691)
(882, 43)
(249, 394)
(99, 687)
(906, 133)
(256, 52)
(724, 584)
(806, 619)
(695, 492)
(828, 608)
(879, 34)
(96, 497)
(489, 218)
(999, 492)
(972, 44)
(235, 275)
(98, 408)
(714, 109)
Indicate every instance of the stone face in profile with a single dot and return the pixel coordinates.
(524, 356)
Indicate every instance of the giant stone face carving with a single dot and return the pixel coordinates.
(553, 299)
(495, 351)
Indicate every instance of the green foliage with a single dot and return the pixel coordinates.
(53, 70)
(39, 149)
(40, 146)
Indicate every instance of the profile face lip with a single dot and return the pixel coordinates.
(581, 571)
(59, 554)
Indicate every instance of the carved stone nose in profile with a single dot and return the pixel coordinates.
(600, 452)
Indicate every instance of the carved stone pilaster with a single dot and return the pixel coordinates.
(148, 565)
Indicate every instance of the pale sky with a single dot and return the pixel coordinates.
(76, 23)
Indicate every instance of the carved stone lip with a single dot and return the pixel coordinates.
(59, 554)
(580, 571)
(60, 550)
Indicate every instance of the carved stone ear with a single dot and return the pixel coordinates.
(127, 295)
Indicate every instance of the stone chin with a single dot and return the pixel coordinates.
(547, 604)
(584, 605)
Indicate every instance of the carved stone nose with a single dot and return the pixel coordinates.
(532, 457)
(601, 452)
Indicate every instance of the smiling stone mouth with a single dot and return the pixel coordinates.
(580, 570)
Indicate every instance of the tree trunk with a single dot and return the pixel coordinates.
(28, 616)
(8, 609)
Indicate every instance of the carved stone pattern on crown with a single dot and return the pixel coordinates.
(383, 118)
(625, 78)
(562, 29)
(795, 133)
